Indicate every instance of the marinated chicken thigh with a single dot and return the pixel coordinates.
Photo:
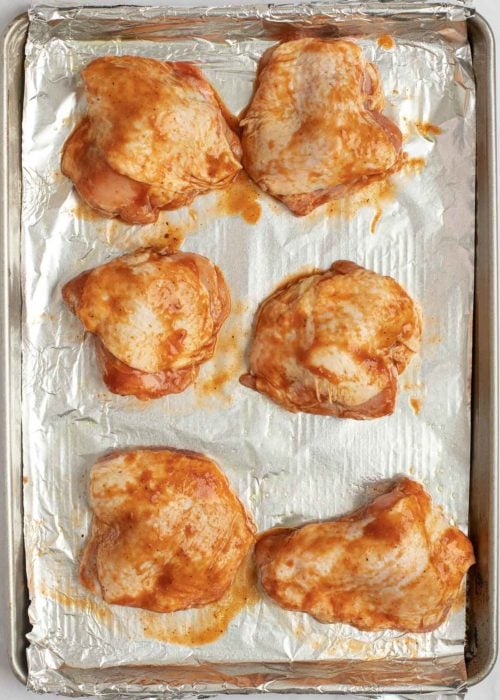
(394, 564)
(334, 343)
(155, 136)
(168, 533)
(314, 130)
(155, 317)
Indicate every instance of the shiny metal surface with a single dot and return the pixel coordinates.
(12, 82)
(482, 589)
(482, 618)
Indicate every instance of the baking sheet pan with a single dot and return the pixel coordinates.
(482, 632)
(422, 234)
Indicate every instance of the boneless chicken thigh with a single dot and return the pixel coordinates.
(155, 317)
(394, 564)
(314, 130)
(334, 343)
(154, 137)
(168, 533)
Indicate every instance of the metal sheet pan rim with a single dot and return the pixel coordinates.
(479, 23)
(15, 33)
(13, 508)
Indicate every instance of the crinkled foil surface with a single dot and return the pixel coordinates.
(286, 468)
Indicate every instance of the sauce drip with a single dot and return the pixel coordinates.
(168, 233)
(228, 361)
(90, 605)
(427, 129)
(374, 194)
(386, 42)
(240, 198)
(204, 625)
(375, 220)
(416, 404)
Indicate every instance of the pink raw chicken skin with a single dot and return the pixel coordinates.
(156, 135)
(334, 342)
(314, 130)
(168, 532)
(155, 317)
(394, 564)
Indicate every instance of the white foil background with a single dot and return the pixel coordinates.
(286, 468)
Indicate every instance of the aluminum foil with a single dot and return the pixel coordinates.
(286, 468)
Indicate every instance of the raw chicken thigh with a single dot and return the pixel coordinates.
(334, 343)
(155, 316)
(168, 533)
(394, 564)
(314, 130)
(155, 136)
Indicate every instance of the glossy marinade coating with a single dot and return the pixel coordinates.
(314, 130)
(334, 343)
(155, 315)
(394, 564)
(168, 532)
(155, 136)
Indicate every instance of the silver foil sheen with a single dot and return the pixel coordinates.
(286, 468)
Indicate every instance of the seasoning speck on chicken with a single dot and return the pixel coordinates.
(314, 130)
(334, 343)
(155, 317)
(168, 533)
(394, 564)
